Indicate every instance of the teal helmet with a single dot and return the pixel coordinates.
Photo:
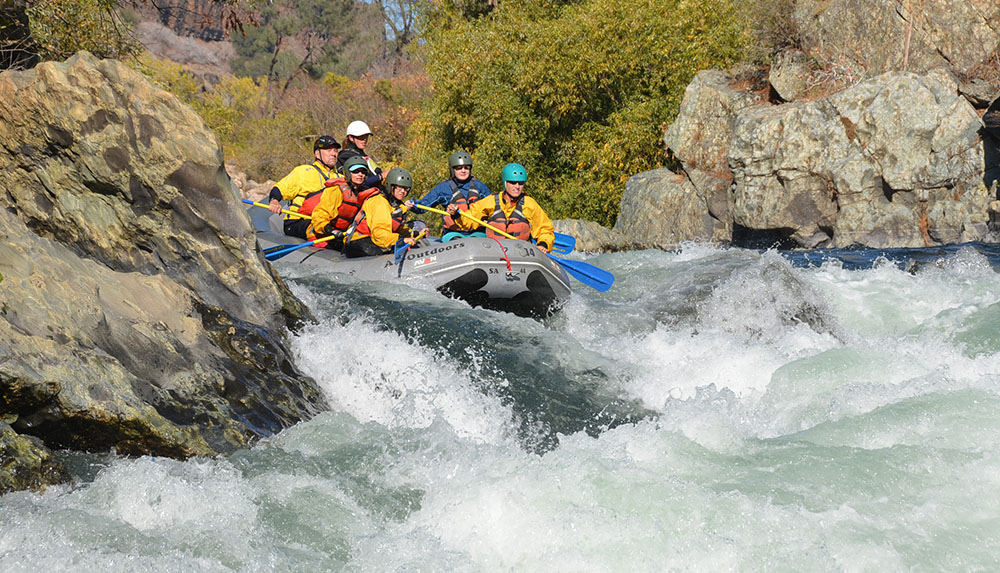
(351, 162)
(458, 159)
(398, 176)
(515, 173)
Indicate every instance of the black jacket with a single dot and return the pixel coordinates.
(351, 150)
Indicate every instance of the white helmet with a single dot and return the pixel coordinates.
(358, 128)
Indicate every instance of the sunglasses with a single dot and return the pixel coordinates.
(516, 183)
(461, 167)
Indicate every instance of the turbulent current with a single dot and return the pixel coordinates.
(717, 409)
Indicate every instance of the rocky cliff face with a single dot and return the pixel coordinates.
(877, 36)
(902, 159)
(202, 19)
(137, 313)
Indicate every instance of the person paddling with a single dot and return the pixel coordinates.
(513, 211)
(460, 189)
(340, 206)
(304, 185)
(383, 221)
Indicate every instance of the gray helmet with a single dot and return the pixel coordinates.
(354, 161)
(398, 176)
(459, 158)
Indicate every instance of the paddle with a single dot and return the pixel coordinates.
(563, 243)
(268, 207)
(400, 254)
(273, 255)
(590, 275)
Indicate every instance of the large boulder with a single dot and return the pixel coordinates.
(661, 209)
(137, 312)
(900, 160)
(699, 136)
(896, 161)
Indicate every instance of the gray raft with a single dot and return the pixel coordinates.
(473, 269)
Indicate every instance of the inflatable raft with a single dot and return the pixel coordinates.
(498, 274)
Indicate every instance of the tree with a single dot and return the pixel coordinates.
(17, 47)
(400, 18)
(60, 28)
(578, 91)
(305, 36)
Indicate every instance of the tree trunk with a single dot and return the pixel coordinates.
(17, 48)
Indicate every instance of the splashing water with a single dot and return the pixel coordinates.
(717, 409)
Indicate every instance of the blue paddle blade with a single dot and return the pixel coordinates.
(590, 275)
(564, 244)
(277, 254)
(400, 252)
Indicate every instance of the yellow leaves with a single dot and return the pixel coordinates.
(337, 82)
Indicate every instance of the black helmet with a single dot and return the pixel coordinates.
(325, 142)
(458, 159)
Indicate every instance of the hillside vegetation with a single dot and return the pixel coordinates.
(578, 91)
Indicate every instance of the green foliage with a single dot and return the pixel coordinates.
(312, 36)
(63, 27)
(579, 92)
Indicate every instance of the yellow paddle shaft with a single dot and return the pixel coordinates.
(467, 216)
(286, 211)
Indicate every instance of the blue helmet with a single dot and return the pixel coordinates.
(514, 172)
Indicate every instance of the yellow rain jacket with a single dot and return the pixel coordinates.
(542, 229)
(303, 182)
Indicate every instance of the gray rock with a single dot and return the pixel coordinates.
(137, 312)
(590, 236)
(700, 135)
(661, 209)
(877, 36)
(25, 463)
(790, 74)
(980, 93)
(895, 161)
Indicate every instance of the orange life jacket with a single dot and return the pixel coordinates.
(461, 202)
(398, 218)
(517, 224)
(351, 206)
